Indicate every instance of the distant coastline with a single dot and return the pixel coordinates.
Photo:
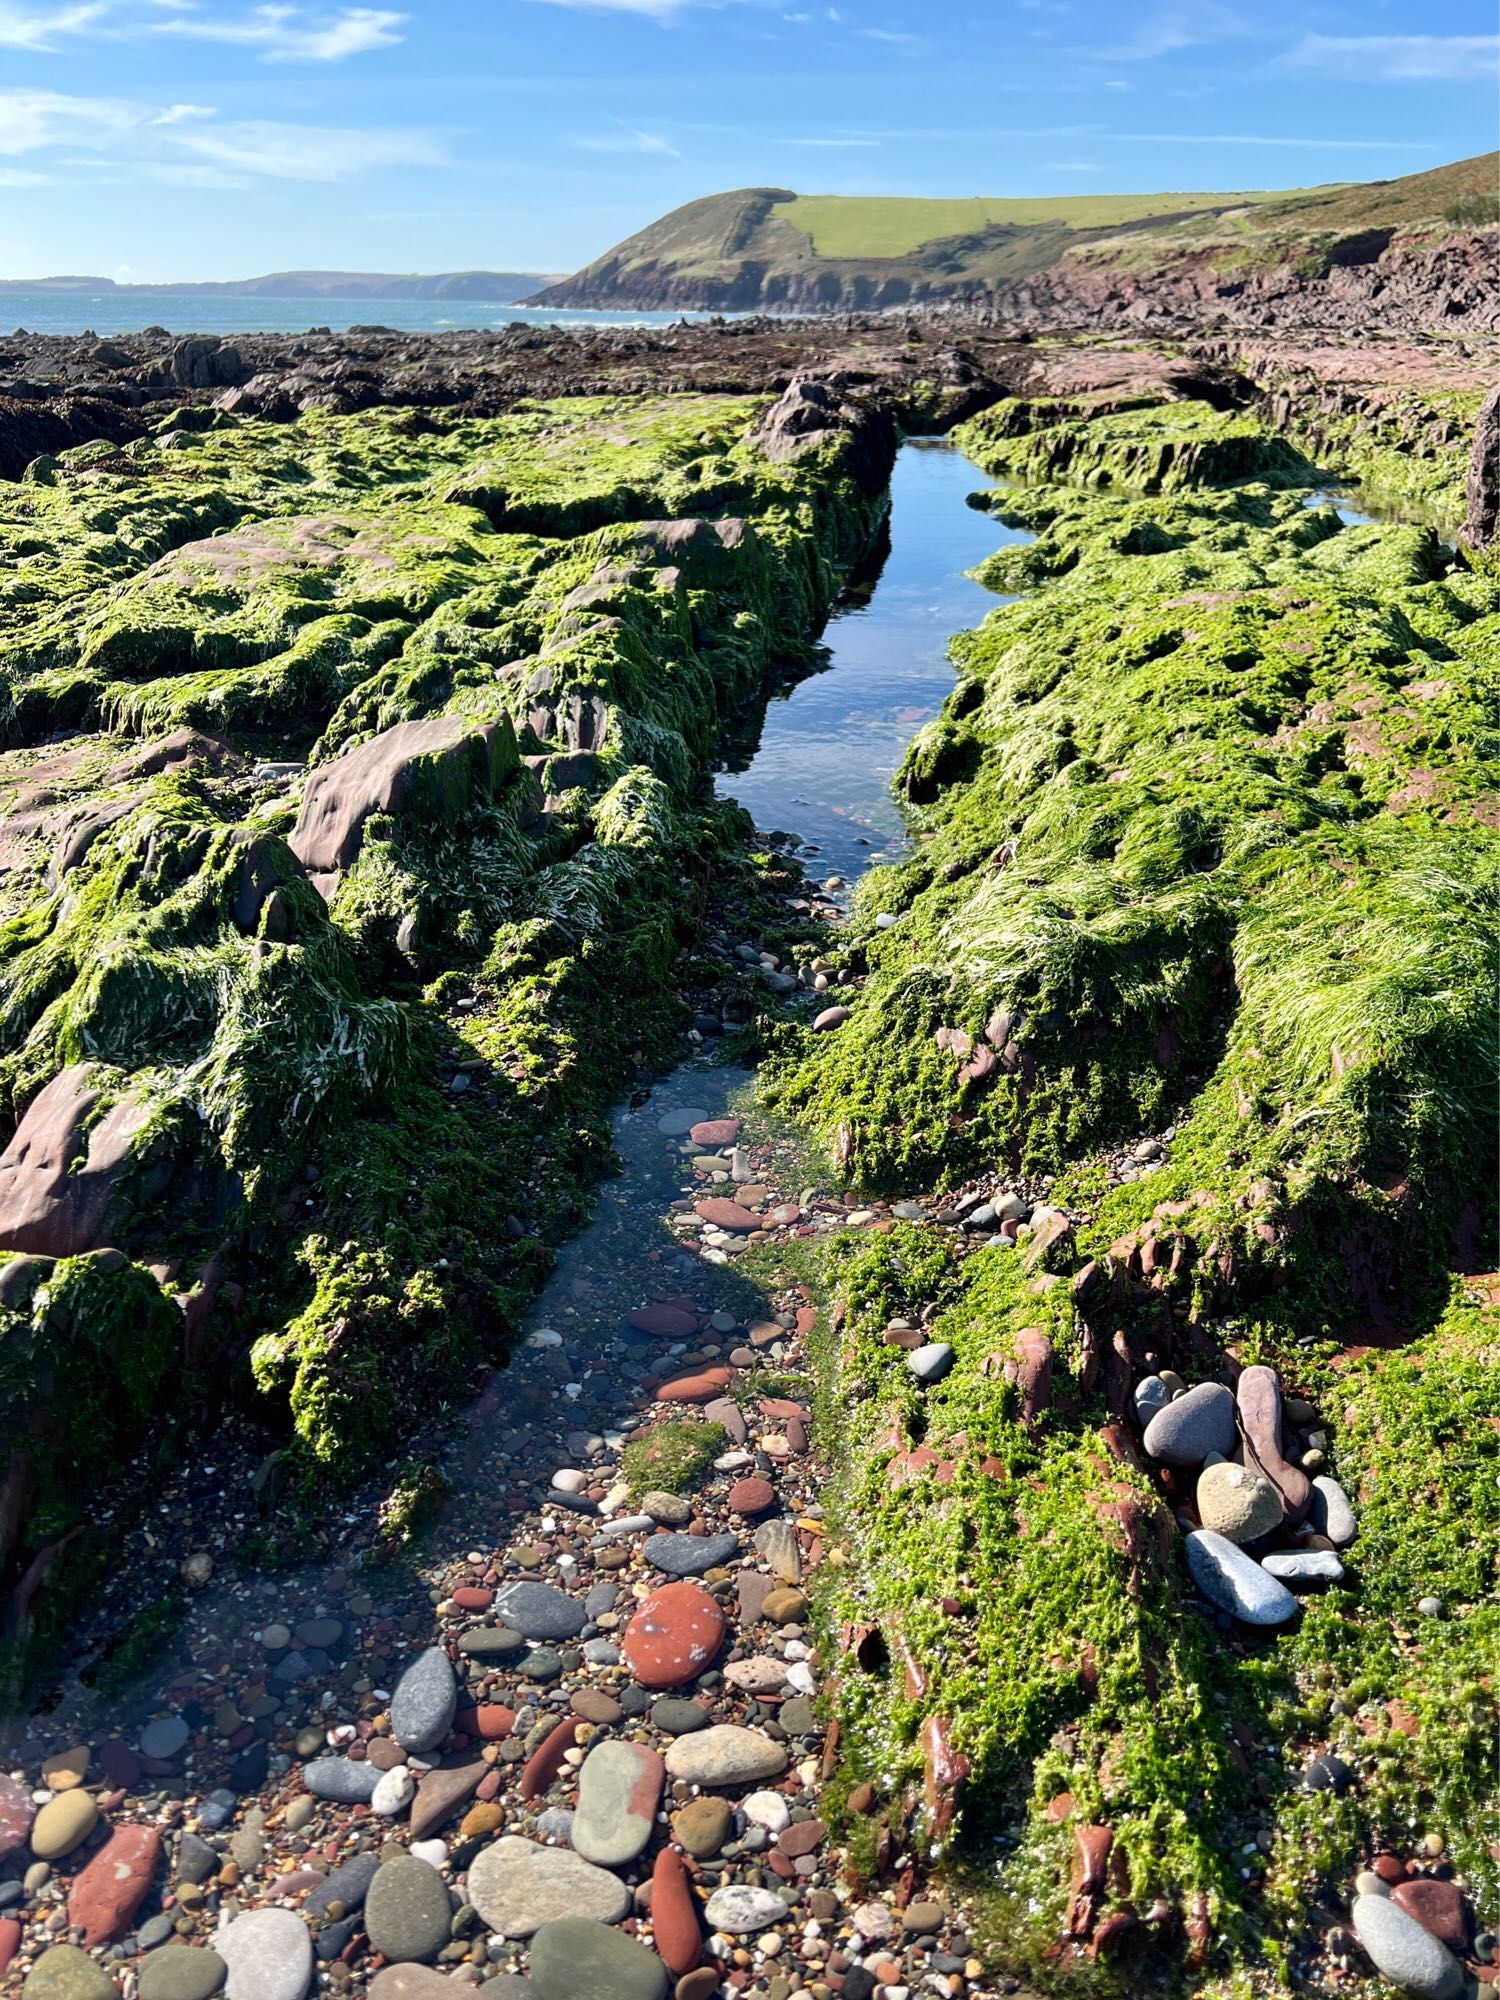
(494, 287)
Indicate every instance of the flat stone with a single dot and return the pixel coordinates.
(784, 1606)
(677, 1124)
(440, 1793)
(269, 1955)
(1330, 1513)
(679, 1717)
(66, 1973)
(668, 1510)
(108, 1891)
(731, 1216)
(420, 1982)
(348, 1886)
(777, 1542)
(689, 1555)
(408, 1912)
(675, 1929)
(1185, 1432)
(62, 1824)
(181, 1972)
(619, 1788)
(540, 1610)
(594, 1705)
(726, 1412)
(759, 1675)
(394, 1793)
(342, 1779)
(1294, 1566)
(16, 1815)
(66, 1769)
(574, 1959)
(1235, 1582)
(663, 1322)
(1403, 1951)
(425, 1702)
(1258, 1399)
(741, 1910)
(164, 1737)
(751, 1496)
(1438, 1907)
(725, 1754)
(704, 1385)
(489, 1642)
(930, 1362)
(517, 1886)
(715, 1132)
(702, 1826)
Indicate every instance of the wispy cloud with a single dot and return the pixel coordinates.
(292, 34)
(833, 144)
(40, 29)
(894, 36)
(308, 152)
(179, 114)
(628, 140)
(1168, 29)
(1397, 58)
(31, 120)
(22, 177)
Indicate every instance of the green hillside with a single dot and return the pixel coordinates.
(773, 248)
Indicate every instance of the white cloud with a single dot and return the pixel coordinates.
(833, 144)
(171, 173)
(1398, 58)
(1171, 28)
(893, 36)
(629, 141)
(178, 114)
(38, 29)
(31, 120)
(307, 152)
(290, 34)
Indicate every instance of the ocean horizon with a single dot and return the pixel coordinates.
(25, 311)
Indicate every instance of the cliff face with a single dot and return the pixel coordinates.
(1411, 284)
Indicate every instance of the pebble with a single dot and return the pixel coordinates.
(689, 1555)
(540, 1610)
(164, 1737)
(394, 1792)
(726, 1753)
(679, 1717)
(1403, 1952)
(419, 1982)
(181, 1972)
(668, 1510)
(930, 1363)
(62, 1824)
(1151, 1395)
(702, 1826)
(674, 1636)
(269, 1955)
(348, 1885)
(777, 1542)
(741, 1910)
(517, 1886)
(66, 1973)
(573, 1958)
(1192, 1426)
(767, 1809)
(425, 1702)
(341, 1780)
(1438, 1907)
(1237, 1502)
(1294, 1566)
(1232, 1580)
(1330, 1513)
(619, 1788)
(408, 1913)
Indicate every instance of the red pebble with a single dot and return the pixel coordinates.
(108, 1891)
(674, 1916)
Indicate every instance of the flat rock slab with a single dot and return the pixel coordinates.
(725, 1754)
(425, 1702)
(704, 1386)
(342, 1780)
(66, 1973)
(689, 1555)
(1403, 1951)
(1235, 1582)
(181, 1972)
(269, 1955)
(107, 1892)
(573, 1959)
(517, 1886)
(540, 1610)
(619, 1789)
(1294, 1566)
(1187, 1430)
(408, 1911)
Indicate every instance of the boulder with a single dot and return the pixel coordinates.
(1483, 494)
(61, 1173)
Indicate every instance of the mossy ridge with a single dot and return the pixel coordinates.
(1201, 841)
(296, 1062)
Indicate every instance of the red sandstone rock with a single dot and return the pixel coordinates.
(48, 1205)
(715, 1132)
(16, 1814)
(730, 1215)
(470, 1598)
(665, 1322)
(488, 1723)
(109, 1890)
(674, 1917)
(545, 1763)
(441, 1793)
(10, 1940)
(699, 1388)
(752, 1496)
(1438, 1907)
(801, 1837)
(674, 1636)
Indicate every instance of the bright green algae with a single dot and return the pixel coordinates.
(1202, 837)
(302, 1154)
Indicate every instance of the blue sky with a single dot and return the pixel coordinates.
(150, 139)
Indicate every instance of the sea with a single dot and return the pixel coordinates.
(193, 312)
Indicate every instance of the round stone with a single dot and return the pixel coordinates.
(62, 1824)
(930, 1362)
(1236, 1502)
(66, 1973)
(408, 1912)
(767, 1809)
(1330, 1513)
(668, 1510)
(342, 1779)
(181, 1972)
(1192, 1426)
(702, 1826)
(619, 1787)
(540, 1610)
(164, 1737)
(269, 1956)
(725, 1754)
(678, 1717)
(674, 1636)
(715, 1132)
(1151, 1394)
(752, 1496)
(677, 1124)
(574, 1959)
(689, 1555)
(517, 1886)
